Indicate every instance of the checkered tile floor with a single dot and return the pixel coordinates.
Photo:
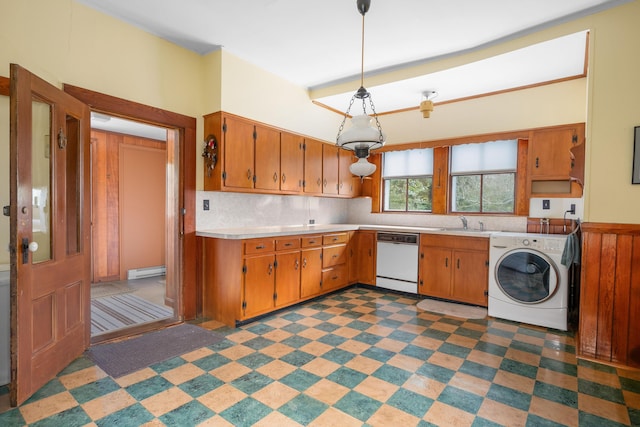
(359, 357)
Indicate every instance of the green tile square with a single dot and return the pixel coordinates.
(358, 405)
(559, 366)
(402, 336)
(338, 356)
(379, 354)
(255, 360)
(477, 370)
(600, 391)
(630, 384)
(359, 325)
(297, 358)
(389, 323)
(222, 345)
(500, 332)
(558, 346)
(131, 416)
(461, 399)
(392, 375)
(587, 419)
(634, 416)
(327, 326)
(436, 334)
(352, 314)
(435, 372)
(168, 365)
(519, 368)
(258, 343)
(49, 389)
(410, 402)
(78, 364)
(450, 321)
(597, 366)
(148, 387)
(525, 346)
(509, 396)
(292, 316)
(246, 412)
(346, 306)
(454, 350)
(294, 328)
(303, 409)
(322, 315)
(72, 417)
(251, 382)
(417, 352)
(367, 338)
(12, 417)
(260, 328)
(495, 349)
(300, 379)
(190, 414)
(482, 422)
(211, 362)
(296, 341)
(556, 394)
(347, 377)
(332, 340)
(95, 389)
(536, 421)
(469, 333)
(532, 332)
(198, 386)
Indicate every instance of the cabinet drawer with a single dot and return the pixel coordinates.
(334, 277)
(288, 243)
(332, 239)
(455, 242)
(311, 241)
(334, 255)
(258, 246)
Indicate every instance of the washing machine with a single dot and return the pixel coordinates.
(527, 281)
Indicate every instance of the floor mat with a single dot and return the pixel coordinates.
(107, 289)
(121, 311)
(452, 309)
(131, 355)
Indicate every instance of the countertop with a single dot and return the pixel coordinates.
(288, 230)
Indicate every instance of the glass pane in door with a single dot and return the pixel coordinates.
(41, 179)
(73, 160)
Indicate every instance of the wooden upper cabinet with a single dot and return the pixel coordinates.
(267, 158)
(347, 182)
(550, 153)
(239, 154)
(330, 159)
(291, 162)
(313, 166)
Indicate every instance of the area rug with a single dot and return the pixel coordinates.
(452, 309)
(124, 357)
(107, 289)
(121, 311)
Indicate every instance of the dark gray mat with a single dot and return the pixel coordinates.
(124, 357)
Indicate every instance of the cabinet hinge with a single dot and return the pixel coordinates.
(304, 183)
(574, 138)
(486, 293)
(254, 179)
(255, 133)
(275, 296)
(486, 263)
(244, 305)
(224, 175)
(320, 255)
(224, 127)
(275, 264)
(304, 146)
(320, 283)
(244, 269)
(421, 255)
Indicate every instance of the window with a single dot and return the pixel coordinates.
(483, 177)
(408, 178)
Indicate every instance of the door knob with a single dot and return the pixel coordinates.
(26, 248)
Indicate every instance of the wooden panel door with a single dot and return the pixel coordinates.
(550, 156)
(50, 207)
(470, 277)
(238, 153)
(311, 272)
(366, 247)
(267, 159)
(436, 268)
(330, 159)
(347, 181)
(287, 278)
(291, 162)
(259, 281)
(312, 166)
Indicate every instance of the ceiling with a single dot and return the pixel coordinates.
(317, 44)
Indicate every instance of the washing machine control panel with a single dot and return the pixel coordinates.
(543, 243)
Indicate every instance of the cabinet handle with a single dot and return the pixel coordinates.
(296, 264)
(259, 247)
(304, 263)
(248, 173)
(334, 278)
(275, 177)
(324, 182)
(341, 184)
(288, 244)
(311, 242)
(319, 182)
(458, 264)
(446, 262)
(270, 269)
(284, 178)
(537, 162)
(334, 256)
(421, 282)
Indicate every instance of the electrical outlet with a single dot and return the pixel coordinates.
(546, 204)
(312, 221)
(572, 211)
(205, 204)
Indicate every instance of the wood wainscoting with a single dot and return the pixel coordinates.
(610, 293)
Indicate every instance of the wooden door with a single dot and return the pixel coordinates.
(311, 272)
(267, 158)
(238, 153)
(346, 179)
(436, 268)
(287, 278)
(330, 159)
(259, 281)
(50, 231)
(312, 166)
(551, 153)
(366, 257)
(470, 277)
(291, 162)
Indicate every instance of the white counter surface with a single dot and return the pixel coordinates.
(288, 230)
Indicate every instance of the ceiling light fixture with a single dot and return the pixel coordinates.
(426, 106)
(362, 137)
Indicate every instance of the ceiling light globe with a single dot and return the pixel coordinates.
(362, 168)
(361, 133)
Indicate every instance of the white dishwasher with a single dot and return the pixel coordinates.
(397, 262)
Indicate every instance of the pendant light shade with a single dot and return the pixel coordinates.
(365, 133)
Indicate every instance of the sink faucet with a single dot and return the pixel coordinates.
(464, 222)
(481, 225)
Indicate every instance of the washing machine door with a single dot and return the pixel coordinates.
(526, 276)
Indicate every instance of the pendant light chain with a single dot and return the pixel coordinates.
(362, 57)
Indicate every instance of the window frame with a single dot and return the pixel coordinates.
(482, 175)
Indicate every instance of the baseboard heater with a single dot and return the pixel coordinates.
(141, 273)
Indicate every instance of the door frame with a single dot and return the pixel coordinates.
(186, 253)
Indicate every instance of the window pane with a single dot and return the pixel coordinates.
(72, 152)
(465, 193)
(395, 194)
(486, 156)
(405, 163)
(41, 179)
(498, 192)
(419, 194)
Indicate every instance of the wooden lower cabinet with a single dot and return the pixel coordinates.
(362, 257)
(454, 268)
(311, 273)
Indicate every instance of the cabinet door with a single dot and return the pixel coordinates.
(267, 159)
(259, 280)
(313, 166)
(291, 162)
(470, 277)
(311, 272)
(436, 268)
(238, 153)
(346, 185)
(330, 159)
(366, 255)
(334, 255)
(550, 155)
(287, 278)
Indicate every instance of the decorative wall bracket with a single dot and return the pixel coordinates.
(210, 153)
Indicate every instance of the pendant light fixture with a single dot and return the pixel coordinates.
(363, 136)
